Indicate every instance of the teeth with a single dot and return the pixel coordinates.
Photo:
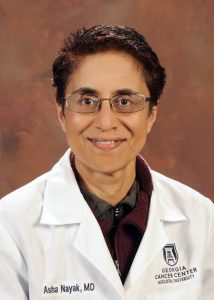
(105, 142)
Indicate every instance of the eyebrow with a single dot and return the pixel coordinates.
(85, 90)
(91, 91)
(125, 91)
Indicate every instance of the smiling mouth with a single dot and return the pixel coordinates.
(105, 144)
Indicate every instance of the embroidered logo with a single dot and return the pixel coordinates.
(170, 254)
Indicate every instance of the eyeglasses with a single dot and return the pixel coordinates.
(83, 103)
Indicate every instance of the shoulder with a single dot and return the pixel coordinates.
(28, 190)
(32, 192)
(173, 185)
(23, 202)
(24, 205)
(180, 194)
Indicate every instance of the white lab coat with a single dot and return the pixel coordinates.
(51, 246)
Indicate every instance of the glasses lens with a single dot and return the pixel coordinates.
(128, 103)
(82, 103)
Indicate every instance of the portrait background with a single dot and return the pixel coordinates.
(181, 144)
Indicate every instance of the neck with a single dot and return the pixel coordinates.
(110, 187)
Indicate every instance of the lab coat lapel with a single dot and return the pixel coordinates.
(153, 241)
(64, 204)
(91, 244)
(155, 238)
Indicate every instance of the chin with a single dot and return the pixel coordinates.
(107, 166)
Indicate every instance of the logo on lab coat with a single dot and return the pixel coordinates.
(170, 254)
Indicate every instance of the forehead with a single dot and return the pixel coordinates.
(108, 71)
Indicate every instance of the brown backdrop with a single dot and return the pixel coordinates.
(181, 144)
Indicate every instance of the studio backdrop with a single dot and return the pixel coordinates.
(181, 144)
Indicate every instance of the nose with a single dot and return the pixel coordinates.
(105, 118)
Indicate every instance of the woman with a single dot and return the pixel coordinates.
(101, 224)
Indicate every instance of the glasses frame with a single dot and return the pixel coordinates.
(100, 100)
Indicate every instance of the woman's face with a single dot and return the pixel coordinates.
(106, 141)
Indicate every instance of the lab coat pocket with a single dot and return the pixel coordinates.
(192, 293)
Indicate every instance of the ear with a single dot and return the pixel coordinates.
(61, 116)
(152, 118)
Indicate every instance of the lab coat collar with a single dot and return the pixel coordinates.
(60, 209)
(63, 202)
(168, 209)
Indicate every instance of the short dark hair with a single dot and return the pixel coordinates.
(101, 38)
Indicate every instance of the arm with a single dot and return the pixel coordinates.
(208, 276)
(13, 272)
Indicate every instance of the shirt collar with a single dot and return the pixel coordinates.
(100, 207)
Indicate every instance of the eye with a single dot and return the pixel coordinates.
(87, 100)
(124, 100)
